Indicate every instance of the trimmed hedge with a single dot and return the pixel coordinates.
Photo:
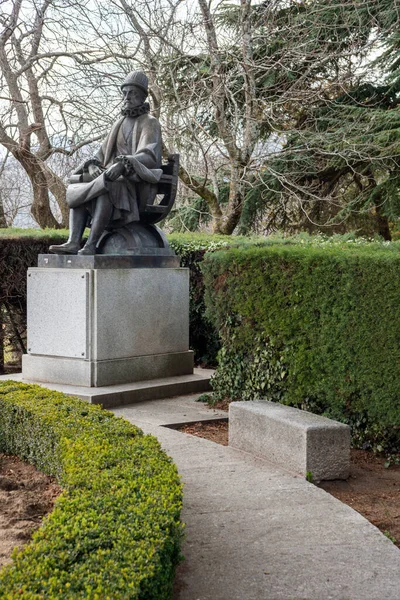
(17, 253)
(19, 250)
(115, 531)
(316, 325)
(203, 337)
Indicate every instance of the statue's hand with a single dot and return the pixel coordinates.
(114, 171)
(94, 171)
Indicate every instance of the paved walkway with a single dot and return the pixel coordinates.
(256, 532)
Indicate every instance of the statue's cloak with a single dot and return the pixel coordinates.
(139, 140)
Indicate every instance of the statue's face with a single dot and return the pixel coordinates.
(132, 96)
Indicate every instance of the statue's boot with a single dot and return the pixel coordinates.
(100, 221)
(88, 249)
(77, 220)
(69, 247)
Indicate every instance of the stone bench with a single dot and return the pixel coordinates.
(294, 439)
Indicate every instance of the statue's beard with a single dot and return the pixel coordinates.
(136, 111)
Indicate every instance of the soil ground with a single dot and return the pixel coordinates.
(26, 496)
(214, 431)
(371, 489)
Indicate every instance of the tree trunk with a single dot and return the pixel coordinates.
(204, 192)
(58, 189)
(40, 208)
(237, 192)
(382, 223)
(1, 341)
(3, 222)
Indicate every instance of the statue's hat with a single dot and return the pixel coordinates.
(137, 78)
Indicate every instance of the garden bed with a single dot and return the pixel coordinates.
(26, 496)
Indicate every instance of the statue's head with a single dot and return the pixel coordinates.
(135, 89)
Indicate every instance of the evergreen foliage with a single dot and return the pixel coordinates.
(190, 216)
(340, 157)
(312, 324)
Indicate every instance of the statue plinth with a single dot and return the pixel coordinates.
(104, 319)
(164, 258)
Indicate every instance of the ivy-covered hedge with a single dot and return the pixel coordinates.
(315, 325)
(115, 531)
(203, 337)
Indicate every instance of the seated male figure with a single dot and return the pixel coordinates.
(121, 177)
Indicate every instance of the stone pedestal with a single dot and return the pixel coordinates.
(97, 321)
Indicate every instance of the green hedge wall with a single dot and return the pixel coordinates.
(203, 337)
(19, 250)
(315, 325)
(115, 531)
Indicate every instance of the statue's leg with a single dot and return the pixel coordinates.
(77, 222)
(101, 219)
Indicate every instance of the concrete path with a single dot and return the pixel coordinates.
(256, 532)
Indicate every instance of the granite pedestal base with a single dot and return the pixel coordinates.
(107, 321)
(97, 373)
(122, 394)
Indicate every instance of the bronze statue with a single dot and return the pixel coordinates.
(115, 191)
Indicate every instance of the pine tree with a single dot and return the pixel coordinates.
(341, 159)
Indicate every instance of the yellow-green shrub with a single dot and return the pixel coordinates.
(115, 531)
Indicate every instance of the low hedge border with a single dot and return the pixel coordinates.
(115, 531)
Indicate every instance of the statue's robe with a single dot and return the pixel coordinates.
(139, 140)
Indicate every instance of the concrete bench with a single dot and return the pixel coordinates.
(294, 439)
